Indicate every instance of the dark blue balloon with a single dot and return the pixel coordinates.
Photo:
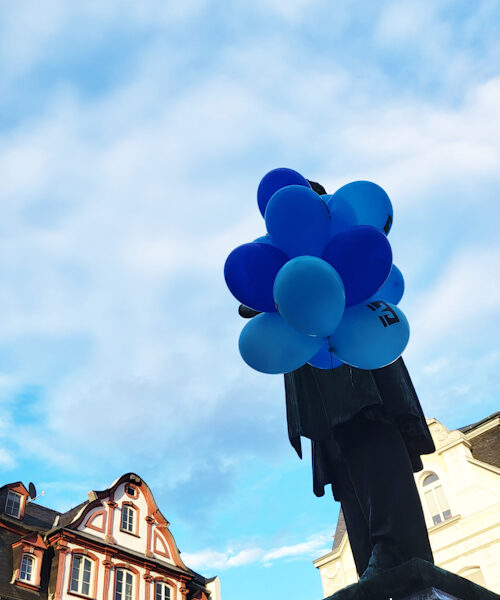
(371, 335)
(370, 203)
(325, 358)
(274, 181)
(309, 295)
(298, 221)
(250, 271)
(270, 345)
(362, 256)
(264, 239)
(393, 289)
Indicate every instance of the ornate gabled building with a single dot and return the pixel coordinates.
(459, 488)
(116, 545)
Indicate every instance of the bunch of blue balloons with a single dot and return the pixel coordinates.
(322, 278)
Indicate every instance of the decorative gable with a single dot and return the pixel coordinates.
(160, 545)
(96, 521)
(126, 515)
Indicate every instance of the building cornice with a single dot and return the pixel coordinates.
(483, 465)
(333, 554)
(119, 553)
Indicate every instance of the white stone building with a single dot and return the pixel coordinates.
(459, 488)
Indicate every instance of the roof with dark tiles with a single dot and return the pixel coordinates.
(69, 516)
(41, 517)
(340, 531)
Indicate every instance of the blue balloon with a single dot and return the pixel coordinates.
(342, 214)
(264, 239)
(370, 203)
(325, 359)
(274, 181)
(393, 289)
(269, 345)
(362, 256)
(309, 295)
(297, 221)
(371, 335)
(250, 271)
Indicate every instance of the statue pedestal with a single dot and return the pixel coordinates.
(415, 580)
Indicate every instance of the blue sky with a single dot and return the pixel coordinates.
(133, 136)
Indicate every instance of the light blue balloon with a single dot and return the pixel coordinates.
(342, 214)
(309, 295)
(298, 221)
(371, 335)
(325, 359)
(393, 289)
(269, 345)
(370, 203)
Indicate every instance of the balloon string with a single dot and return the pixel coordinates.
(330, 350)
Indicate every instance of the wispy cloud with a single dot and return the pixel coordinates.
(211, 559)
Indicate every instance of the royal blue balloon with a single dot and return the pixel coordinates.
(371, 335)
(274, 181)
(297, 221)
(370, 202)
(309, 295)
(325, 359)
(250, 271)
(264, 239)
(362, 256)
(342, 215)
(269, 345)
(393, 289)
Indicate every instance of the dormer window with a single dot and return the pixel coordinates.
(13, 504)
(131, 491)
(26, 572)
(128, 514)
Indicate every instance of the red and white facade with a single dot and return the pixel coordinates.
(117, 546)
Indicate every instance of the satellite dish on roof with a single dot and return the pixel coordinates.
(32, 490)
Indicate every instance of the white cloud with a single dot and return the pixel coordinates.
(7, 461)
(464, 299)
(212, 559)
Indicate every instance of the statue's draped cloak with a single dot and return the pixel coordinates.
(318, 401)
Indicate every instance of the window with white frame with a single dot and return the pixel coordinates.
(27, 570)
(124, 585)
(81, 571)
(13, 504)
(435, 498)
(162, 591)
(128, 514)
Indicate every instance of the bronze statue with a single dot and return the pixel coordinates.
(367, 431)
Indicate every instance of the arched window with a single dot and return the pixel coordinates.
(162, 591)
(128, 518)
(437, 503)
(81, 572)
(26, 572)
(124, 585)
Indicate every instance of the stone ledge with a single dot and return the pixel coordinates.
(416, 579)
